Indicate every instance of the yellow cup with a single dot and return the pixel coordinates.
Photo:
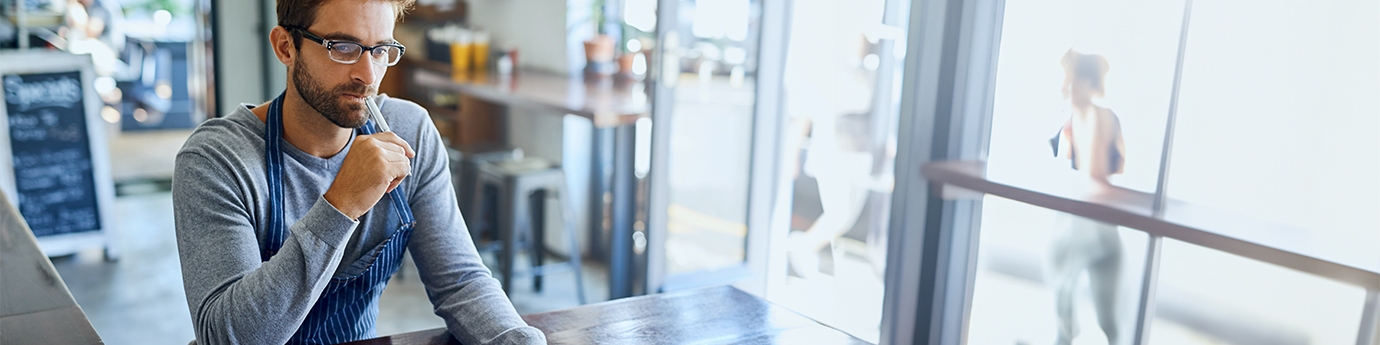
(481, 57)
(461, 55)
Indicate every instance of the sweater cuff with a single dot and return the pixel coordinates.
(327, 223)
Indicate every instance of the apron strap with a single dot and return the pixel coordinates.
(273, 152)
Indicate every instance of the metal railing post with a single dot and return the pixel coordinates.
(1366, 335)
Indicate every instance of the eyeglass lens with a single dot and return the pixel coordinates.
(350, 52)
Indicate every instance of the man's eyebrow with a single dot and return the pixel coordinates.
(341, 36)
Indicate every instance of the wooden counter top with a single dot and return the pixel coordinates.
(717, 315)
(606, 101)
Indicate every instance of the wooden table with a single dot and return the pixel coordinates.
(717, 315)
(35, 306)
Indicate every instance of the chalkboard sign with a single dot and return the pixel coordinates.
(52, 155)
(54, 158)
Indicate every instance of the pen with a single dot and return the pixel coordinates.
(376, 115)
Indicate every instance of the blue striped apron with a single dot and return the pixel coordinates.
(347, 308)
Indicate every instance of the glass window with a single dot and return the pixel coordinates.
(1044, 275)
(1139, 42)
(1277, 122)
(1206, 296)
(711, 135)
(1020, 276)
(1279, 115)
(841, 103)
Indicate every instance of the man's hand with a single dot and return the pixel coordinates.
(375, 165)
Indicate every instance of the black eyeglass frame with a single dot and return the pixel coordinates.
(329, 44)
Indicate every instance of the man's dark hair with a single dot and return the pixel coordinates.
(302, 13)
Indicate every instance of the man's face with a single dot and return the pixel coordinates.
(334, 89)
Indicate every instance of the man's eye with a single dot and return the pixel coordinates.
(345, 47)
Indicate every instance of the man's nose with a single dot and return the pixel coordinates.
(366, 70)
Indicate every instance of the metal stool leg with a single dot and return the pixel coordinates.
(508, 232)
(537, 225)
(476, 209)
(567, 214)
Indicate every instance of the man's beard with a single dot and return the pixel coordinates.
(328, 102)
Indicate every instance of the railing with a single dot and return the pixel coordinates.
(1196, 224)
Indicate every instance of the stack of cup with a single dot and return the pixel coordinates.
(461, 54)
(481, 52)
(469, 50)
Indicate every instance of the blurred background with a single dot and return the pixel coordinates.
(777, 145)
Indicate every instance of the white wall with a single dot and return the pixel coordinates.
(239, 76)
(537, 27)
(241, 27)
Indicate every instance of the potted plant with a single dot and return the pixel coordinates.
(634, 45)
(599, 49)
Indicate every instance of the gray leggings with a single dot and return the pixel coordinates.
(1085, 244)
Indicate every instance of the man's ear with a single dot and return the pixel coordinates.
(283, 46)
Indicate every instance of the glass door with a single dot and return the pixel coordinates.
(842, 83)
(712, 136)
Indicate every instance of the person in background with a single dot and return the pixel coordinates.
(829, 100)
(96, 27)
(1091, 140)
(292, 215)
(105, 21)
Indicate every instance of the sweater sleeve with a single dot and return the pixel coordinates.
(233, 297)
(461, 288)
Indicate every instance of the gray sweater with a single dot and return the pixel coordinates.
(220, 202)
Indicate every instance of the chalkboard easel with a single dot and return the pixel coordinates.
(54, 156)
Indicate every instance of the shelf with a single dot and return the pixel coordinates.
(1200, 225)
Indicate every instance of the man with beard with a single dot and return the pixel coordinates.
(292, 215)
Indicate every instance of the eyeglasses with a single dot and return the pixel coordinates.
(346, 52)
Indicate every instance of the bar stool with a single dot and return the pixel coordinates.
(522, 188)
(469, 191)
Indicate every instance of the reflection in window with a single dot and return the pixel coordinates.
(1090, 82)
(1276, 121)
(1140, 43)
(1014, 295)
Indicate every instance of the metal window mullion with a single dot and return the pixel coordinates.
(765, 166)
(973, 88)
(905, 237)
(1155, 244)
(1366, 335)
(1149, 281)
(947, 80)
(662, 99)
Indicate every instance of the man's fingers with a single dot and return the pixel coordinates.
(391, 138)
(394, 155)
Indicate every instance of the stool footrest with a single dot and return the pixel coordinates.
(546, 269)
